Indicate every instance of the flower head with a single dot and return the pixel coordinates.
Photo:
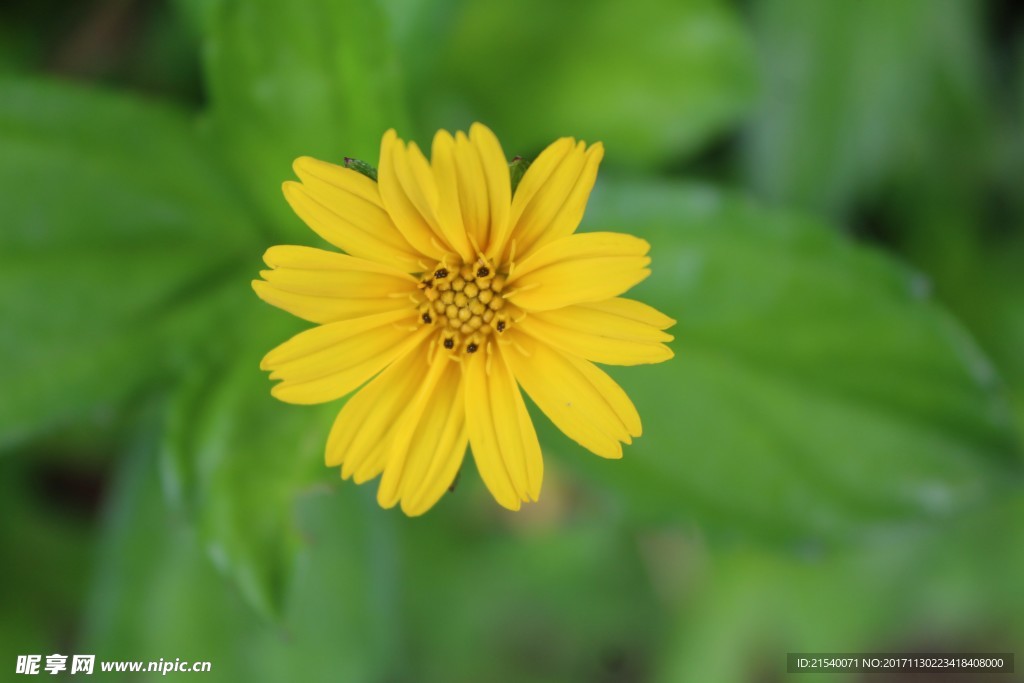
(453, 293)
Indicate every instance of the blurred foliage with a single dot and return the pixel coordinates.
(290, 79)
(925, 595)
(832, 461)
(242, 506)
(115, 220)
(839, 114)
(671, 75)
(789, 336)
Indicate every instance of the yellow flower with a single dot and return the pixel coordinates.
(452, 294)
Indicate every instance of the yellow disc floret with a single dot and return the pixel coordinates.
(465, 304)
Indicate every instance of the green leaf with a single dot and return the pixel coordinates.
(654, 80)
(949, 591)
(46, 535)
(467, 589)
(288, 79)
(237, 460)
(119, 232)
(816, 392)
(156, 594)
(839, 114)
(989, 295)
(538, 595)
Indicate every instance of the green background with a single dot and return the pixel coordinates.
(831, 462)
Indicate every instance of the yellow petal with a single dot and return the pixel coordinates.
(534, 182)
(475, 202)
(319, 173)
(550, 202)
(578, 269)
(503, 440)
(409, 194)
(634, 311)
(323, 286)
(580, 399)
(344, 208)
(329, 361)
(498, 183)
(311, 258)
(405, 469)
(437, 446)
(324, 309)
(360, 436)
(449, 210)
(603, 333)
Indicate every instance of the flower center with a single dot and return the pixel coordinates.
(465, 304)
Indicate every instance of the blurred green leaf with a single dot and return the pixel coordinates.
(237, 460)
(540, 600)
(654, 79)
(156, 595)
(45, 547)
(117, 229)
(979, 273)
(817, 392)
(916, 593)
(18, 49)
(990, 295)
(476, 593)
(853, 91)
(287, 79)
